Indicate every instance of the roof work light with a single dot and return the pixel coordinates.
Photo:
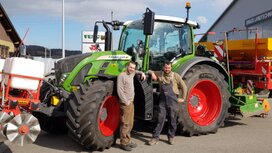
(188, 5)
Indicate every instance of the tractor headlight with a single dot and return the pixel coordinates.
(63, 78)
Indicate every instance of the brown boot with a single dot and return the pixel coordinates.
(126, 147)
(132, 145)
(153, 141)
(171, 141)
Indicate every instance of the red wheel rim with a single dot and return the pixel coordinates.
(109, 116)
(24, 129)
(204, 102)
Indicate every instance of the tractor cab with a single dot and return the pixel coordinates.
(172, 38)
(151, 42)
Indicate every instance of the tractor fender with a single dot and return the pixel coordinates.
(199, 61)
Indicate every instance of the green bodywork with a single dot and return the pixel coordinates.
(117, 61)
(246, 103)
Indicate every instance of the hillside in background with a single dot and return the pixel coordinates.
(34, 50)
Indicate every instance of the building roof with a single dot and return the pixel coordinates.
(218, 19)
(10, 30)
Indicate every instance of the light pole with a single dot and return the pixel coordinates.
(63, 31)
(45, 52)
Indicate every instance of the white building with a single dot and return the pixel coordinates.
(87, 42)
(243, 15)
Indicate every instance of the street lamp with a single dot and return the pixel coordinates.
(45, 52)
(63, 31)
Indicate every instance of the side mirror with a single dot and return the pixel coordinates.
(149, 19)
(95, 33)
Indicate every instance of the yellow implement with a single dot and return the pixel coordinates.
(266, 105)
(246, 49)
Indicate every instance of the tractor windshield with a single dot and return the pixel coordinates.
(132, 42)
(169, 40)
(132, 36)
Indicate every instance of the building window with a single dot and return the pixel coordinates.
(4, 51)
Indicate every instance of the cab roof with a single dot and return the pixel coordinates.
(169, 19)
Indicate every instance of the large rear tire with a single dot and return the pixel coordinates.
(207, 101)
(94, 115)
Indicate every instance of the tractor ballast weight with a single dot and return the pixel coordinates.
(83, 93)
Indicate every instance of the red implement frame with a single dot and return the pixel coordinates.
(16, 100)
(258, 70)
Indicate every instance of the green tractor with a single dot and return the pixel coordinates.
(83, 95)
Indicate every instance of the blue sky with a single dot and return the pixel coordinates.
(43, 17)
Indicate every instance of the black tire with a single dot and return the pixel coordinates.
(55, 125)
(188, 124)
(143, 100)
(83, 115)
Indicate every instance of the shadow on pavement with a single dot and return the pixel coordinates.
(4, 148)
(58, 142)
(146, 127)
(140, 126)
(142, 131)
(233, 121)
(143, 126)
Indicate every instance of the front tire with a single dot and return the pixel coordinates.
(207, 101)
(94, 115)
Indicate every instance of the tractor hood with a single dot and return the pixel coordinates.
(67, 64)
(72, 71)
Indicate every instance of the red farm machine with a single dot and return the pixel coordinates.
(20, 88)
(249, 64)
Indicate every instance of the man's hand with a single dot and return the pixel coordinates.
(180, 100)
(143, 77)
(153, 76)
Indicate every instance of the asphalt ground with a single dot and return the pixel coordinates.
(239, 135)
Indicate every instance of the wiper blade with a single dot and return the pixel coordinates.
(177, 56)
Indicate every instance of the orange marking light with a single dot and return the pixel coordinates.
(188, 5)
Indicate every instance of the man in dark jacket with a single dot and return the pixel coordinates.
(172, 92)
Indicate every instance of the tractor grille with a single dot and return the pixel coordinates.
(101, 71)
(68, 64)
(105, 65)
(81, 75)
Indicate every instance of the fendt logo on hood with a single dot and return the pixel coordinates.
(114, 57)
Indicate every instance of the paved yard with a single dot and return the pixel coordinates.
(240, 135)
